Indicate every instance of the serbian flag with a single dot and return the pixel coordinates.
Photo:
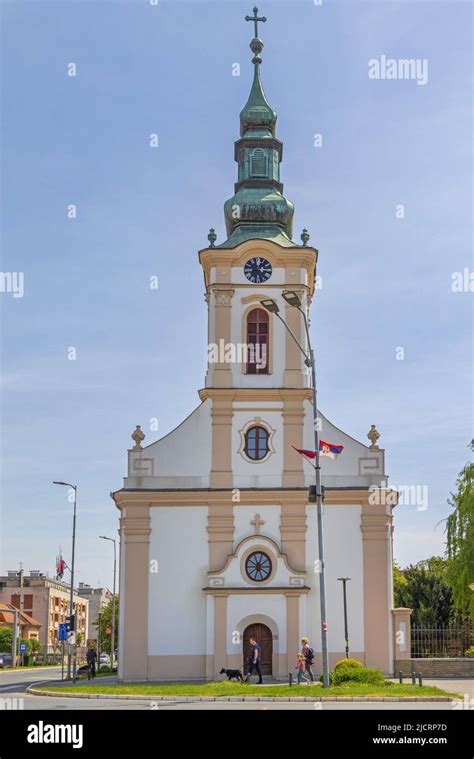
(325, 449)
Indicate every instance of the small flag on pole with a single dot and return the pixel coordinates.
(325, 449)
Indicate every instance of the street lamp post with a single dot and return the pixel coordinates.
(293, 300)
(112, 646)
(344, 581)
(71, 597)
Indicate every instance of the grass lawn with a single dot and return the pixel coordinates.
(237, 689)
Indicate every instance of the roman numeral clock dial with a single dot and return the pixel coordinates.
(258, 270)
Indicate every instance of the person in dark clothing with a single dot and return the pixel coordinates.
(308, 654)
(254, 661)
(91, 657)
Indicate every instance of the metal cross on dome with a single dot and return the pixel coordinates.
(255, 18)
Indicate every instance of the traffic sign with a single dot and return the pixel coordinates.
(63, 628)
(23, 648)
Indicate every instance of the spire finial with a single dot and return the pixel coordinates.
(212, 237)
(305, 237)
(255, 20)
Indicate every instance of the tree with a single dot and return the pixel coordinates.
(460, 542)
(423, 588)
(79, 638)
(106, 623)
(6, 636)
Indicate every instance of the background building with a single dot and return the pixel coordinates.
(29, 627)
(98, 599)
(47, 601)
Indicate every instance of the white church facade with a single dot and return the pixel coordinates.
(218, 540)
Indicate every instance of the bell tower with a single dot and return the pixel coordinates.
(248, 347)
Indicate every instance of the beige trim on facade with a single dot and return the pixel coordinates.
(293, 435)
(222, 259)
(401, 633)
(292, 629)
(136, 498)
(134, 593)
(220, 528)
(295, 375)
(233, 555)
(220, 632)
(256, 394)
(377, 604)
(181, 667)
(221, 466)
(222, 302)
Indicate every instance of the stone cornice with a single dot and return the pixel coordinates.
(255, 394)
(285, 591)
(224, 497)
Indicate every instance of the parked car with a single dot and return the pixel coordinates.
(104, 658)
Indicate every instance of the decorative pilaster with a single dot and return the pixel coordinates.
(221, 471)
(222, 305)
(135, 540)
(293, 429)
(220, 528)
(375, 526)
(401, 633)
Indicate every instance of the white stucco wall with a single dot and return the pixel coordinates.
(176, 603)
(180, 459)
(343, 553)
(260, 474)
(243, 515)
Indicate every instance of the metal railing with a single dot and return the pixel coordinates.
(441, 641)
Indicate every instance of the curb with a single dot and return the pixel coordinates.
(194, 699)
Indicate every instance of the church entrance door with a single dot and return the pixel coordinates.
(264, 638)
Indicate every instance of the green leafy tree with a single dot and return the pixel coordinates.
(423, 587)
(6, 635)
(106, 624)
(460, 542)
(79, 638)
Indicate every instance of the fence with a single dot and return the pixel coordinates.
(441, 642)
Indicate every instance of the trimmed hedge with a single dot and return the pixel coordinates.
(347, 663)
(358, 675)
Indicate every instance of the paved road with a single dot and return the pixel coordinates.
(14, 684)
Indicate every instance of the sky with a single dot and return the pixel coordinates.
(386, 197)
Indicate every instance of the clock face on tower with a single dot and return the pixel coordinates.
(258, 270)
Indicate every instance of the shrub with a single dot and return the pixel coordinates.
(331, 678)
(469, 652)
(347, 663)
(358, 675)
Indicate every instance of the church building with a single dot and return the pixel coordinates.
(218, 538)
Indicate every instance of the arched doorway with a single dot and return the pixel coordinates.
(264, 638)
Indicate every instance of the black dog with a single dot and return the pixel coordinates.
(232, 673)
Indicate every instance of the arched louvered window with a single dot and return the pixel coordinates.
(258, 163)
(257, 341)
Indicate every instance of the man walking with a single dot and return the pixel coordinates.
(91, 657)
(308, 654)
(254, 661)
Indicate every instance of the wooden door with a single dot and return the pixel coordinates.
(263, 636)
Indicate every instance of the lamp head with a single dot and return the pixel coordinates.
(292, 299)
(270, 305)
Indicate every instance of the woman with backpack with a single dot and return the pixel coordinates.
(308, 654)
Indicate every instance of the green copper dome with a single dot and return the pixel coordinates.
(258, 208)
